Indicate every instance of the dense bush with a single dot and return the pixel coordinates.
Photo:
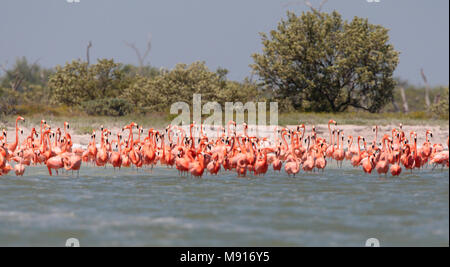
(29, 74)
(79, 82)
(179, 84)
(320, 62)
(23, 84)
(107, 107)
(9, 100)
(440, 109)
(117, 90)
(111, 89)
(415, 97)
(146, 71)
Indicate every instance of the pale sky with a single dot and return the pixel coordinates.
(222, 33)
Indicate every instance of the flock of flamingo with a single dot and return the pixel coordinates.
(296, 149)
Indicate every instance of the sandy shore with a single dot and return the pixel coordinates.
(440, 134)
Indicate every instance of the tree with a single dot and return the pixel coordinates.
(22, 84)
(141, 56)
(319, 62)
(22, 74)
(9, 100)
(143, 95)
(176, 85)
(427, 88)
(77, 82)
(238, 92)
(440, 108)
(146, 71)
(180, 83)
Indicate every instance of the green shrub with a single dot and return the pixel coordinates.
(44, 109)
(440, 109)
(78, 82)
(9, 99)
(179, 84)
(418, 115)
(107, 107)
(321, 62)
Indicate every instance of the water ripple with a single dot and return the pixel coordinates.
(340, 207)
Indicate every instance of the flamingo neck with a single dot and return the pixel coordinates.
(284, 140)
(17, 132)
(338, 147)
(331, 138)
(163, 147)
(384, 144)
(49, 144)
(169, 135)
(130, 139)
(41, 139)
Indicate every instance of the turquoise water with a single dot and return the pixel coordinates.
(340, 207)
